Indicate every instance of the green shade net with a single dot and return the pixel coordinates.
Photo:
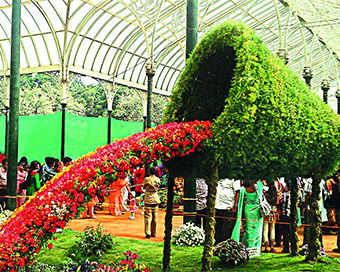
(2, 133)
(40, 135)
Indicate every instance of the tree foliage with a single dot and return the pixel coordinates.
(41, 94)
(267, 122)
(128, 105)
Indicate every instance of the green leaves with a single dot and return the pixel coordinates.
(267, 121)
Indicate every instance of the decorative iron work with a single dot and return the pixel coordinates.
(88, 38)
(146, 8)
(177, 22)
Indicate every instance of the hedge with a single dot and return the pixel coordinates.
(267, 122)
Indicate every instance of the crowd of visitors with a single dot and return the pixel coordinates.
(238, 204)
(3, 182)
(30, 177)
(239, 216)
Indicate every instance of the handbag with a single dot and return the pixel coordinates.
(265, 207)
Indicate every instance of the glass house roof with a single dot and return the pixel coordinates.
(109, 39)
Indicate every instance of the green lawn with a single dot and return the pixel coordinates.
(182, 258)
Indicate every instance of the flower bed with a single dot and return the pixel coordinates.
(23, 235)
(127, 263)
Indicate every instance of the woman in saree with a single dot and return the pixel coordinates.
(116, 196)
(249, 210)
(33, 179)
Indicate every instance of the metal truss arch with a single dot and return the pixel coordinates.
(114, 38)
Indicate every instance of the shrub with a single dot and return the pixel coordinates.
(4, 214)
(94, 243)
(163, 198)
(188, 235)
(178, 200)
(266, 121)
(231, 251)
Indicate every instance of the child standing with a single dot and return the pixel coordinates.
(132, 205)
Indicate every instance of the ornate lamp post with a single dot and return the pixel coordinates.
(337, 95)
(325, 86)
(150, 70)
(283, 54)
(307, 74)
(64, 89)
(110, 96)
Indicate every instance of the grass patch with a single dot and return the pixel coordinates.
(182, 258)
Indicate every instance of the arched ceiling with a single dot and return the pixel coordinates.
(113, 38)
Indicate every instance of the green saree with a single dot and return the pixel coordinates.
(249, 207)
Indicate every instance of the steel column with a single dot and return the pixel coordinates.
(109, 112)
(63, 129)
(192, 25)
(14, 106)
(150, 72)
(189, 207)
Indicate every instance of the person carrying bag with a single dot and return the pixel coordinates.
(265, 207)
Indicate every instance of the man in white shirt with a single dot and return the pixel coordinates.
(228, 191)
(3, 182)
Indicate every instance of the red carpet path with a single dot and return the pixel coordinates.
(122, 226)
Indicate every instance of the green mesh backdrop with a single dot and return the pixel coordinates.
(2, 133)
(40, 136)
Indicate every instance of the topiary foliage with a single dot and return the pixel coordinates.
(267, 121)
(203, 85)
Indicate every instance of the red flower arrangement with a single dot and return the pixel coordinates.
(34, 223)
(2, 156)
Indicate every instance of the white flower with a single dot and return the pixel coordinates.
(188, 235)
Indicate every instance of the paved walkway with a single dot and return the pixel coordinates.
(122, 226)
